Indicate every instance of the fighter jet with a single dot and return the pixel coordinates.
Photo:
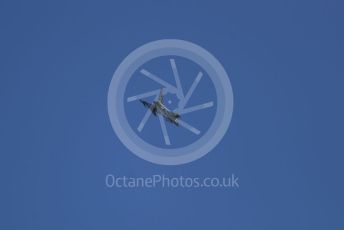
(158, 108)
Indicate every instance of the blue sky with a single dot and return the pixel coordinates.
(285, 61)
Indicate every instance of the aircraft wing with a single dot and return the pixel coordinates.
(146, 104)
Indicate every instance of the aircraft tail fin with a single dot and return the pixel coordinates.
(161, 96)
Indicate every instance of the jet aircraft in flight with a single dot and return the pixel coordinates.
(158, 108)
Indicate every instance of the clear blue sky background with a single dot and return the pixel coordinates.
(285, 142)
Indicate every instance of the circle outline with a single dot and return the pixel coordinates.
(190, 152)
